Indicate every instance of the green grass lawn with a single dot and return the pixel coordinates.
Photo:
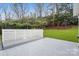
(62, 34)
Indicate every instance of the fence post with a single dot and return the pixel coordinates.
(2, 44)
(78, 31)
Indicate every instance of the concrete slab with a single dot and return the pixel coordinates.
(43, 47)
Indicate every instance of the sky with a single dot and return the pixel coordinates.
(30, 7)
(7, 6)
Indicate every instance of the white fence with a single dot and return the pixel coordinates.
(12, 37)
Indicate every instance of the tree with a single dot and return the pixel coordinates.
(66, 7)
(0, 17)
(7, 13)
(19, 10)
(54, 11)
(39, 9)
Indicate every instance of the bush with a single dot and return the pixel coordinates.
(60, 19)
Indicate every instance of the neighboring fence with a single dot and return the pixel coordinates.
(12, 37)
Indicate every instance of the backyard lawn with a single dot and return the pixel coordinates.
(62, 34)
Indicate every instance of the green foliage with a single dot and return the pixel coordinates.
(31, 23)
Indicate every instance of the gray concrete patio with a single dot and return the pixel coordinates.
(43, 47)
